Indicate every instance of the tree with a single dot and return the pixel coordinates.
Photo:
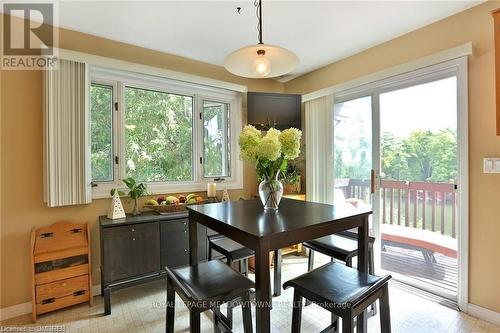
(158, 135)
(423, 156)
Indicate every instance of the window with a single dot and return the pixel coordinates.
(101, 133)
(172, 135)
(158, 135)
(216, 139)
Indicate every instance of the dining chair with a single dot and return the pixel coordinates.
(342, 290)
(206, 286)
(342, 246)
(232, 252)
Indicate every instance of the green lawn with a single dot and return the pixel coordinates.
(428, 213)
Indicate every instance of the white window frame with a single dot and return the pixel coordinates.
(456, 67)
(120, 79)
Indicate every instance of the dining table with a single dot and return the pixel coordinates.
(263, 231)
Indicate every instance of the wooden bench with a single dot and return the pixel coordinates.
(427, 242)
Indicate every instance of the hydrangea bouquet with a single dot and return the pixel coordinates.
(270, 155)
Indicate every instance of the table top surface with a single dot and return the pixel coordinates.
(292, 216)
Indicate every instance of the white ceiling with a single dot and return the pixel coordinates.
(319, 32)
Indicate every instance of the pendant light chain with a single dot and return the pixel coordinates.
(258, 12)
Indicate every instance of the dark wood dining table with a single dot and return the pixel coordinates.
(247, 223)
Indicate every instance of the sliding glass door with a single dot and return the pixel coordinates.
(396, 151)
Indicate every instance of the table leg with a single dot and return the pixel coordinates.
(193, 240)
(262, 291)
(361, 321)
(277, 273)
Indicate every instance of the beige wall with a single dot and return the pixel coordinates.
(474, 25)
(21, 164)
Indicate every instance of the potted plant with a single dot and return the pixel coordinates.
(270, 155)
(291, 179)
(135, 191)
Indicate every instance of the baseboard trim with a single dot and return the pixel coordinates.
(484, 314)
(15, 311)
(25, 308)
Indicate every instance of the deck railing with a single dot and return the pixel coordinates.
(422, 205)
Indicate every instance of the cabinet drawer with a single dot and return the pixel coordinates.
(61, 274)
(61, 288)
(130, 230)
(58, 303)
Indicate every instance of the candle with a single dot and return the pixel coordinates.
(211, 190)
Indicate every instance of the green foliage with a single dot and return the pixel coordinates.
(422, 156)
(267, 169)
(120, 192)
(136, 190)
(158, 135)
(215, 142)
(101, 99)
(291, 175)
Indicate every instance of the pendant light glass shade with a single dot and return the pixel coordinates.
(261, 61)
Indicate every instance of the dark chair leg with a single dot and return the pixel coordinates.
(194, 321)
(170, 307)
(230, 307)
(371, 263)
(297, 312)
(245, 266)
(217, 316)
(335, 320)
(310, 267)
(348, 262)
(362, 321)
(348, 325)
(385, 314)
(246, 308)
(310, 261)
(107, 301)
(277, 273)
(371, 270)
(209, 252)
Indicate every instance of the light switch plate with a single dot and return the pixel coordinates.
(491, 165)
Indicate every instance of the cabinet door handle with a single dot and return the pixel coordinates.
(133, 229)
(185, 250)
(185, 231)
(133, 238)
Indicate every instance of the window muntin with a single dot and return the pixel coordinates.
(158, 135)
(101, 132)
(216, 139)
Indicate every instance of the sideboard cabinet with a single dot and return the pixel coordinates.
(136, 249)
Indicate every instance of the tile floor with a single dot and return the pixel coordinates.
(141, 309)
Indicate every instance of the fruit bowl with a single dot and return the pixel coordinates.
(167, 208)
(173, 204)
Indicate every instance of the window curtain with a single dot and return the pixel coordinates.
(66, 135)
(319, 149)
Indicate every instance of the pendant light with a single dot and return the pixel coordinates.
(261, 60)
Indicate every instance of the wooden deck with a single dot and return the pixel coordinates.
(411, 264)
